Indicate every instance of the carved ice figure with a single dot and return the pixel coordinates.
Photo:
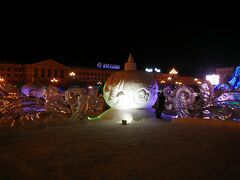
(130, 89)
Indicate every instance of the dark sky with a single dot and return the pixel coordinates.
(109, 36)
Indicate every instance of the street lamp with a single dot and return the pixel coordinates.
(54, 80)
(173, 72)
(169, 78)
(72, 79)
(178, 83)
(72, 74)
(195, 79)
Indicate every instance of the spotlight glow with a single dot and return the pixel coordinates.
(128, 117)
(130, 89)
(213, 79)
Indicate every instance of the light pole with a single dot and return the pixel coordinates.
(197, 81)
(72, 75)
(173, 73)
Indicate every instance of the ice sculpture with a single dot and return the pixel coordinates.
(37, 104)
(221, 102)
(183, 100)
(235, 83)
(130, 94)
(9, 102)
(34, 89)
(169, 111)
(130, 89)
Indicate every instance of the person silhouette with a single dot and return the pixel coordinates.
(160, 104)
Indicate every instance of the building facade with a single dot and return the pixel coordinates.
(52, 72)
(11, 72)
(175, 79)
(224, 73)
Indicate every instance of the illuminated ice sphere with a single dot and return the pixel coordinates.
(130, 89)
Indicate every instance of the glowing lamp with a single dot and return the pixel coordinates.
(148, 70)
(157, 70)
(72, 74)
(213, 79)
(173, 72)
(54, 80)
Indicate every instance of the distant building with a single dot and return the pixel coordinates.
(52, 72)
(12, 72)
(224, 73)
(175, 79)
(45, 71)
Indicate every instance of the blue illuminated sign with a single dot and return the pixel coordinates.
(99, 65)
(108, 66)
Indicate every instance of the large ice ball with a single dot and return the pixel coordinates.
(130, 89)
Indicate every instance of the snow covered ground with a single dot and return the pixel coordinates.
(103, 149)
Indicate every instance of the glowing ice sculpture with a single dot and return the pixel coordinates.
(235, 79)
(222, 102)
(130, 94)
(130, 89)
(233, 83)
(34, 89)
(35, 103)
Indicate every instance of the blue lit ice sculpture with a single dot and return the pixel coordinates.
(233, 83)
(235, 79)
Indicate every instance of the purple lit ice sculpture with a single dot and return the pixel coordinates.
(34, 89)
(32, 101)
(169, 111)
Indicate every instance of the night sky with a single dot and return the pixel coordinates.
(109, 36)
